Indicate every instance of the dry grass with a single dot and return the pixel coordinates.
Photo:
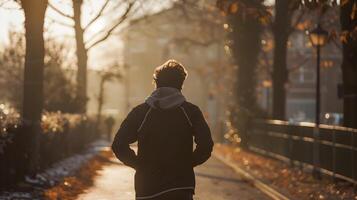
(72, 186)
(294, 181)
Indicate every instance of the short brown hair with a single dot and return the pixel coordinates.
(170, 74)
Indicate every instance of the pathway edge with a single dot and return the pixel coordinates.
(272, 193)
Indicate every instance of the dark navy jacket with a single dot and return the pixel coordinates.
(166, 155)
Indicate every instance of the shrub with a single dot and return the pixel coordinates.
(62, 135)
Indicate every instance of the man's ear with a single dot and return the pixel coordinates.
(154, 83)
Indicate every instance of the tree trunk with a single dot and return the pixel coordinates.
(33, 76)
(349, 65)
(82, 57)
(281, 28)
(246, 32)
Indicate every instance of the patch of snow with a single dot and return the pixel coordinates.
(16, 195)
(56, 172)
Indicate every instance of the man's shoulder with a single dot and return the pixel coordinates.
(144, 107)
(190, 106)
(138, 112)
(141, 107)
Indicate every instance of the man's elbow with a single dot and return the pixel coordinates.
(116, 149)
(206, 147)
(202, 154)
(207, 150)
(210, 149)
(210, 145)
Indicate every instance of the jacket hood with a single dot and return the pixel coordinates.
(165, 98)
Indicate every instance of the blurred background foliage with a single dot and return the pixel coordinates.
(58, 85)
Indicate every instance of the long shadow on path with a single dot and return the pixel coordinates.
(214, 181)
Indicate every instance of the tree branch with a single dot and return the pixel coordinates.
(338, 45)
(109, 32)
(267, 64)
(60, 11)
(60, 23)
(297, 66)
(4, 2)
(298, 20)
(99, 14)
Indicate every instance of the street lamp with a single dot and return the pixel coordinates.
(318, 38)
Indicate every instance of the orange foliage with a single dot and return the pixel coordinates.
(72, 186)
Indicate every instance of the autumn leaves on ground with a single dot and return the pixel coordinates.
(292, 181)
(72, 186)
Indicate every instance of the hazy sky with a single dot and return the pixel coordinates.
(12, 18)
(9, 18)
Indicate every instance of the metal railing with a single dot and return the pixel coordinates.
(332, 151)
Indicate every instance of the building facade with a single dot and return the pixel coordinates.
(301, 65)
(189, 36)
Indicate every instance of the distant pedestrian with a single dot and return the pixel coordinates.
(164, 127)
(109, 121)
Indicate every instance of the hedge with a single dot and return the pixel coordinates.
(61, 136)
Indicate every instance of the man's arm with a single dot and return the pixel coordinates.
(203, 139)
(127, 134)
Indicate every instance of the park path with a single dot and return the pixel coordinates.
(215, 181)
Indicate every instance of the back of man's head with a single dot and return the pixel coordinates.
(170, 74)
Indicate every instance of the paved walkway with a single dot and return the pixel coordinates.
(215, 181)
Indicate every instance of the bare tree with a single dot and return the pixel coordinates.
(126, 8)
(348, 19)
(34, 73)
(282, 27)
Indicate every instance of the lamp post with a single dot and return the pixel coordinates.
(318, 38)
